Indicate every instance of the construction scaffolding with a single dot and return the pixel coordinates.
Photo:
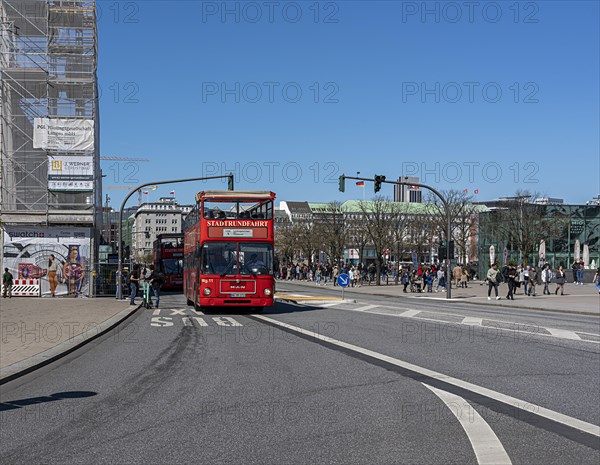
(48, 99)
(50, 179)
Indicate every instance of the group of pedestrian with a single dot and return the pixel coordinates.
(528, 278)
(423, 278)
(150, 280)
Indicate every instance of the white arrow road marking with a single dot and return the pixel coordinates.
(485, 443)
(497, 396)
(471, 320)
(565, 334)
(226, 321)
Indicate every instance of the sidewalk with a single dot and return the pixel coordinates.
(577, 299)
(36, 330)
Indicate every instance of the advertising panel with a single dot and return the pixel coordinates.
(63, 134)
(70, 173)
(26, 253)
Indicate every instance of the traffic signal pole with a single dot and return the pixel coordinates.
(141, 186)
(381, 179)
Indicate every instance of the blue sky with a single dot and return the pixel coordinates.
(289, 95)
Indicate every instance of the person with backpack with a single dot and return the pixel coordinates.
(7, 282)
(493, 275)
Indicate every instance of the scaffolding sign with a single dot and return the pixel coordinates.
(70, 173)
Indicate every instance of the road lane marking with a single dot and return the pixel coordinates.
(177, 311)
(156, 312)
(563, 333)
(333, 304)
(186, 321)
(365, 308)
(471, 320)
(409, 313)
(486, 445)
(226, 321)
(161, 321)
(521, 405)
(554, 332)
(200, 321)
(196, 312)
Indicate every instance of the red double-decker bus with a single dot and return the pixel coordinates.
(167, 256)
(228, 250)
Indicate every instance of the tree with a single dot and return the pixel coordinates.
(332, 229)
(523, 224)
(462, 218)
(380, 216)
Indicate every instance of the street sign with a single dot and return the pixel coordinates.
(343, 280)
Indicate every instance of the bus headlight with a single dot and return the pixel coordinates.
(267, 291)
(207, 291)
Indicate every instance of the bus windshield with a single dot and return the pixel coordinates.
(172, 265)
(231, 258)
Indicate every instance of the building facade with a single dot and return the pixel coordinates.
(50, 183)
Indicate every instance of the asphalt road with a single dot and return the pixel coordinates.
(352, 383)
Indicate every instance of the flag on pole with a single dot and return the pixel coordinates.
(154, 188)
(145, 192)
(466, 191)
(416, 188)
(172, 192)
(476, 191)
(360, 184)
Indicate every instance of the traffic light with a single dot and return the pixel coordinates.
(342, 183)
(443, 249)
(378, 180)
(230, 182)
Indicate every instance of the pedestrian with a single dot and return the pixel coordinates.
(597, 280)
(526, 279)
(492, 279)
(156, 281)
(456, 274)
(546, 278)
(580, 272)
(52, 274)
(464, 279)
(405, 279)
(560, 281)
(511, 277)
(532, 280)
(521, 278)
(575, 269)
(7, 282)
(134, 283)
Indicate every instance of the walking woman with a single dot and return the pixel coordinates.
(560, 281)
(52, 274)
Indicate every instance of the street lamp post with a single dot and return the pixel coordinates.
(381, 179)
(141, 186)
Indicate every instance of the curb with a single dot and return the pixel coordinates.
(37, 361)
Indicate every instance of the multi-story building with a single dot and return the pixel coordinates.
(408, 193)
(50, 191)
(153, 219)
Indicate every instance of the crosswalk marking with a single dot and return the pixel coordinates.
(365, 308)
(471, 320)
(410, 313)
(565, 334)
